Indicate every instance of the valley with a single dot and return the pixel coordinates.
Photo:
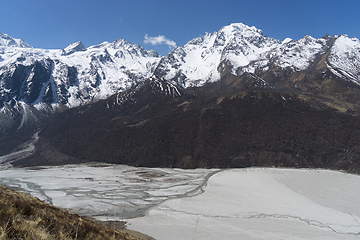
(234, 134)
(232, 98)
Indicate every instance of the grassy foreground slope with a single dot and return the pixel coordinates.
(25, 217)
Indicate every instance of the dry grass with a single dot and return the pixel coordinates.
(25, 217)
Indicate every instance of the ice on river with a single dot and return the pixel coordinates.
(258, 203)
(105, 191)
(252, 203)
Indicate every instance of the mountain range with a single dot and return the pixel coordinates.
(230, 98)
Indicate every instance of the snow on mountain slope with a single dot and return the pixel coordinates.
(198, 61)
(74, 47)
(104, 70)
(344, 58)
(7, 41)
(18, 115)
(72, 76)
(245, 49)
(300, 54)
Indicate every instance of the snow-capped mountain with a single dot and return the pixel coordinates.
(34, 83)
(45, 80)
(74, 75)
(7, 41)
(247, 50)
(78, 75)
(199, 60)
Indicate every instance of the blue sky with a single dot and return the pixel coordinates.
(166, 23)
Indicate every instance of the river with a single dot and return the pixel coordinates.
(105, 191)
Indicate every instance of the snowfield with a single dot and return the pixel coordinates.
(259, 203)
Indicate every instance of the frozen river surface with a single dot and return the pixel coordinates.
(105, 191)
(260, 203)
(253, 203)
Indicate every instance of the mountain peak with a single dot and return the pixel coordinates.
(121, 43)
(240, 29)
(134, 49)
(74, 47)
(240, 35)
(7, 41)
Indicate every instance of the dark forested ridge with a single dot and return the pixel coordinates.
(217, 125)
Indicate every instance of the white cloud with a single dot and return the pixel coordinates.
(159, 40)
